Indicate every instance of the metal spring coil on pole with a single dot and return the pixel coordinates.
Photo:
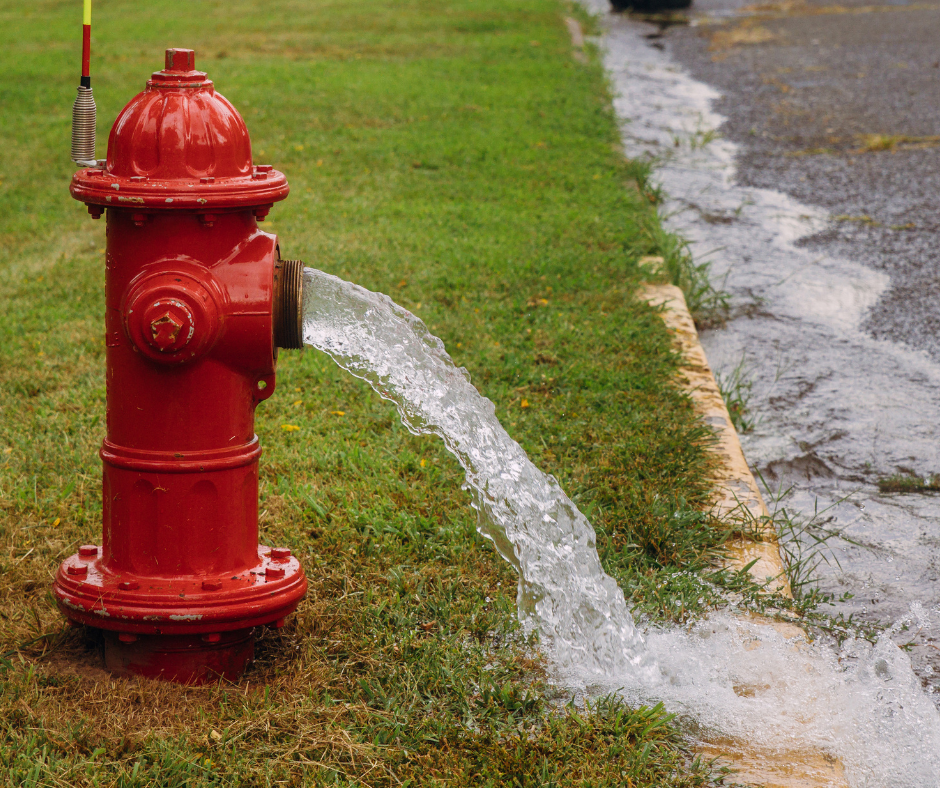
(84, 115)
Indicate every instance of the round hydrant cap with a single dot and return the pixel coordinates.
(179, 144)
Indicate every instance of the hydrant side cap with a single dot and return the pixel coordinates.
(179, 144)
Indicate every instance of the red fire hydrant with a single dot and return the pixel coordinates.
(198, 302)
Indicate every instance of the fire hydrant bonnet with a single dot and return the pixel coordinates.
(180, 144)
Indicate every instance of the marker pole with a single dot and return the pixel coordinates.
(84, 111)
(86, 45)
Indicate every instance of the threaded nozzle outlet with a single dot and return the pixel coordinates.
(288, 304)
(84, 115)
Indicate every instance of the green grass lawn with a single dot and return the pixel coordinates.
(456, 156)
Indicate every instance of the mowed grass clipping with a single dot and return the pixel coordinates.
(456, 156)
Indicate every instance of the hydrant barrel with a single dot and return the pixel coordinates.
(192, 287)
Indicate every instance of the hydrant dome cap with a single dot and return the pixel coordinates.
(179, 144)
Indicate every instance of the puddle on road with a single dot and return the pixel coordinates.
(835, 409)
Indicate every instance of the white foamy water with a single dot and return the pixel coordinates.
(744, 681)
(725, 676)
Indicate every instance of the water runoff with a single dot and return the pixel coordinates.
(727, 677)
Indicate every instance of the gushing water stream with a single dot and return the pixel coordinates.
(563, 591)
(727, 677)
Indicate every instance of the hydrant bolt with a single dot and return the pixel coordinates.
(279, 554)
(171, 325)
(88, 551)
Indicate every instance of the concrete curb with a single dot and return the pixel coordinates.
(738, 499)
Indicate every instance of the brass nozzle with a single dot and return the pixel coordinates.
(289, 304)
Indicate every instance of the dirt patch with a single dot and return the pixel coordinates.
(747, 32)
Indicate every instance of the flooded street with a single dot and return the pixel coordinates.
(797, 151)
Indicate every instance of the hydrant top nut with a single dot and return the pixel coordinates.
(180, 60)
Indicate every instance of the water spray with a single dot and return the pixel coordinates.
(83, 110)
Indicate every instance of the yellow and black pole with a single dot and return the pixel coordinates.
(84, 110)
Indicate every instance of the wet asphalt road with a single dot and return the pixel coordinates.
(798, 146)
(839, 107)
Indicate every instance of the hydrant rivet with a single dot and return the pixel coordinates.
(88, 551)
(211, 585)
(128, 585)
(79, 570)
(280, 554)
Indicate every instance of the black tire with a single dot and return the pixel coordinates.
(649, 6)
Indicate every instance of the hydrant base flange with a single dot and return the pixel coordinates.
(89, 593)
